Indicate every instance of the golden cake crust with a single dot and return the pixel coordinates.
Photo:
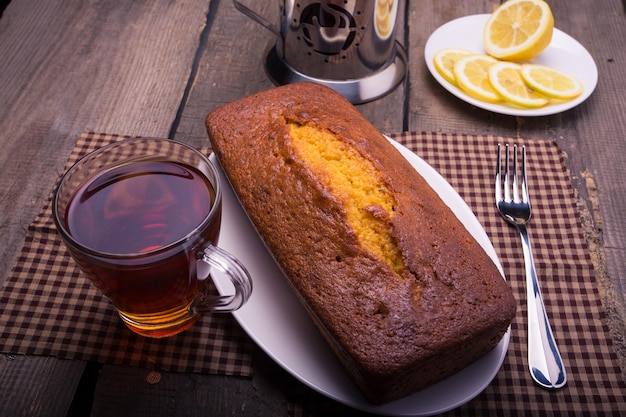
(394, 334)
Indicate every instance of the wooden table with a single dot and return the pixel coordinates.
(156, 68)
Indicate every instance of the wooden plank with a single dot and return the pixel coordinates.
(230, 67)
(130, 392)
(70, 66)
(44, 386)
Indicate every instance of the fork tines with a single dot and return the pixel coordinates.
(507, 173)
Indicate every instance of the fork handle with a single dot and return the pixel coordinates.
(544, 359)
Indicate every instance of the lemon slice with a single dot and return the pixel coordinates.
(445, 59)
(551, 82)
(506, 79)
(472, 76)
(518, 30)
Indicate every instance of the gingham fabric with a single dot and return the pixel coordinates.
(47, 307)
(595, 385)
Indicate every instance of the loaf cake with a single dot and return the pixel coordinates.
(395, 283)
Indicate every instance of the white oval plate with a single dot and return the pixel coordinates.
(564, 53)
(274, 318)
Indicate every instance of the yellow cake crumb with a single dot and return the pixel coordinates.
(352, 179)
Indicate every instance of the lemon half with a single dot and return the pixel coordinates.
(518, 30)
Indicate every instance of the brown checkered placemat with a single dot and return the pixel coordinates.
(47, 307)
(595, 385)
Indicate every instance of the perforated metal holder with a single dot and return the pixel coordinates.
(359, 90)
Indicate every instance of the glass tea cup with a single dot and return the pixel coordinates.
(141, 217)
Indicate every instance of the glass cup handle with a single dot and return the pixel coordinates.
(236, 272)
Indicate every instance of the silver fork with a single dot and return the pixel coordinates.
(544, 359)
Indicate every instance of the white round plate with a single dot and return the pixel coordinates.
(277, 322)
(564, 53)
